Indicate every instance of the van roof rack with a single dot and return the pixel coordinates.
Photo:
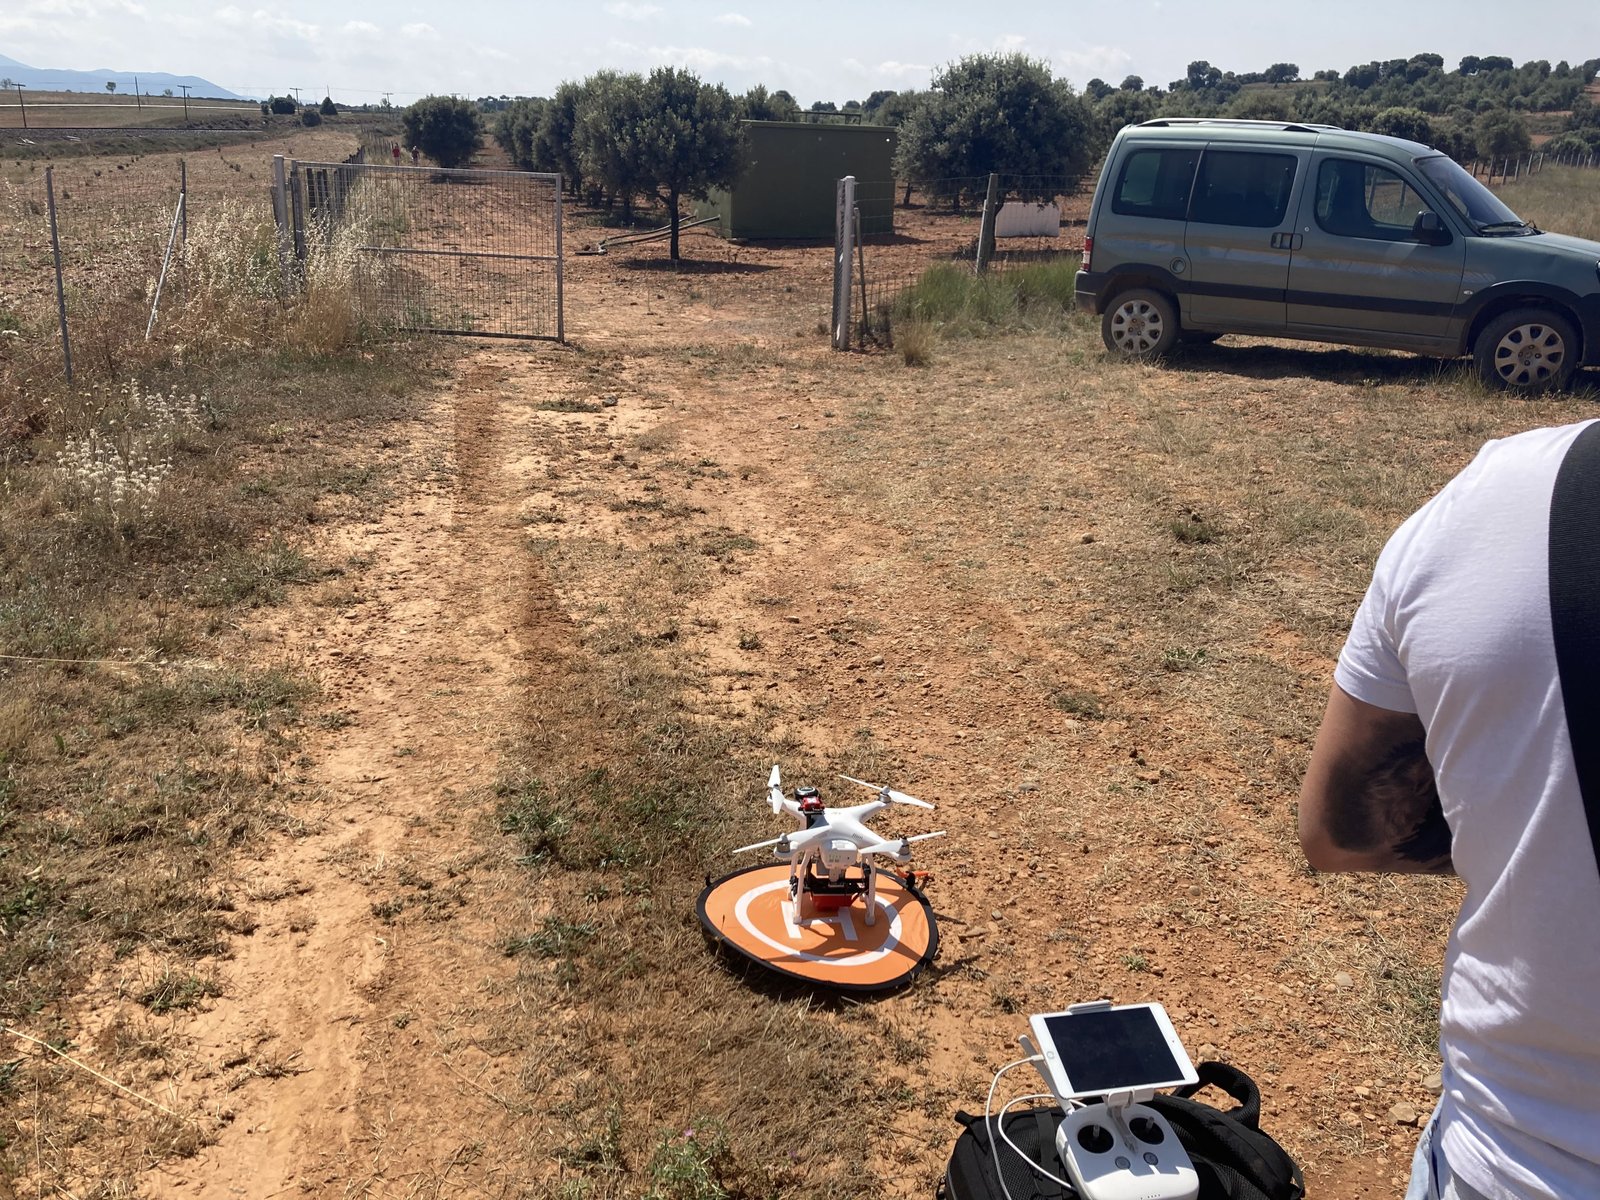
(1241, 123)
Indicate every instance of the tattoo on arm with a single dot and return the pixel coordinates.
(1395, 806)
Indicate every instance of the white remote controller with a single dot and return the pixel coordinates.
(1125, 1153)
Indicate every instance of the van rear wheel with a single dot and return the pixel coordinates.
(1140, 323)
(1527, 350)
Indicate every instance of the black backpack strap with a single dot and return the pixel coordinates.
(1233, 1081)
(1574, 615)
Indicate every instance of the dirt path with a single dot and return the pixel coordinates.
(349, 1049)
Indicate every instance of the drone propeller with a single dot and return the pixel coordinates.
(887, 793)
(898, 845)
(784, 837)
(775, 790)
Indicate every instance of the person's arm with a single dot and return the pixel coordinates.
(1369, 802)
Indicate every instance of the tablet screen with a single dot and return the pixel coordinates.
(1117, 1049)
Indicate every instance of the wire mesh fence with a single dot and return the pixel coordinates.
(139, 237)
(1513, 167)
(905, 227)
(434, 250)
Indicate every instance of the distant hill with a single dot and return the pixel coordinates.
(150, 82)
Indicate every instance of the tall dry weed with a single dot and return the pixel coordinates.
(327, 316)
(232, 285)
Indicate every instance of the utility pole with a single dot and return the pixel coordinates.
(185, 88)
(137, 98)
(22, 106)
(296, 92)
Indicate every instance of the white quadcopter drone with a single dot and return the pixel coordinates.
(833, 856)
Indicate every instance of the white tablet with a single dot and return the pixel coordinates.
(1103, 1049)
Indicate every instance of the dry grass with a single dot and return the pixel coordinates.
(137, 753)
(1561, 199)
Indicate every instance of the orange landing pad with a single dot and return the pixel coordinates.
(749, 913)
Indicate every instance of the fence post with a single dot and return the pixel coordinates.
(561, 308)
(61, 291)
(843, 259)
(297, 213)
(166, 259)
(991, 203)
(280, 215)
(183, 197)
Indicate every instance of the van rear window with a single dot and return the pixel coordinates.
(1155, 183)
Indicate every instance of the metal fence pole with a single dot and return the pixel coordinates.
(561, 308)
(61, 291)
(991, 205)
(843, 260)
(166, 259)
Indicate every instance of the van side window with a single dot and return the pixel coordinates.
(1356, 199)
(1237, 188)
(1155, 183)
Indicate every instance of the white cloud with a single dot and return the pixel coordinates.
(700, 59)
(703, 60)
(629, 11)
(420, 29)
(284, 27)
(732, 18)
(1093, 62)
(364, 29)
(901, 70)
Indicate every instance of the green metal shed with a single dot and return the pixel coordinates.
(788, 186)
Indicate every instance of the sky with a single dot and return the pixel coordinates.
(359, 51)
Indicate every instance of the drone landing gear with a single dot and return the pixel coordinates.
(821, 894)
(856, 934)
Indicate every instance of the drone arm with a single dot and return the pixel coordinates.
(760, 845)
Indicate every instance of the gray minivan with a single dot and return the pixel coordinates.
(1204, 227)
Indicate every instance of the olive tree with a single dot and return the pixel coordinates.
(760, 105)
(605, 128)
(446, 129)
(997, 113)
(688, 139)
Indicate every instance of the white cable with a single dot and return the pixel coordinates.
(999, 1127)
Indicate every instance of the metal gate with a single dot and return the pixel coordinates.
(434, 250)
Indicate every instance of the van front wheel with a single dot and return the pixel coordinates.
(1526, 350)
(1140, 324)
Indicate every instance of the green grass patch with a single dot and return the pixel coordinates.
(958, 302)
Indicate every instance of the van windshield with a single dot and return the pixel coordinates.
(1481, 207)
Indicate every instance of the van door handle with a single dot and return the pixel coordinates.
(1286, 241)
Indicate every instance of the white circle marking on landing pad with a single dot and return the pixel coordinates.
(741, 912)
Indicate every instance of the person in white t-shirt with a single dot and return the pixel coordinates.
(1445, 748)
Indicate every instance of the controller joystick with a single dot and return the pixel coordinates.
(1147, 1131)
(1096, 1139)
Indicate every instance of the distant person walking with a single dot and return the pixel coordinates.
(394, 151)
(416, 155)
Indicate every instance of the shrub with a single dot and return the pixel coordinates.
(310, 116)
(446, 129)
(284, 106)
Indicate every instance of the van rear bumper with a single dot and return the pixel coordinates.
(1089, 284)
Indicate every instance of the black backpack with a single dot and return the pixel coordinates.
(1234, 1159)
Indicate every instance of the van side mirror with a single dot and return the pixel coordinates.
(1430, 230)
